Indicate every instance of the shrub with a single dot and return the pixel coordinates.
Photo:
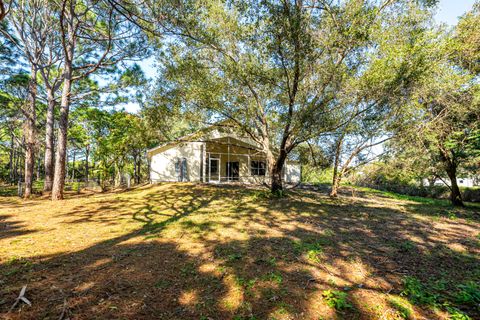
(336, 299)
(317, 175)
(469, 294)
(313, 250)
(383, 177)
(417, 293)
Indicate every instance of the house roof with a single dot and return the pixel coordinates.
(202, 135)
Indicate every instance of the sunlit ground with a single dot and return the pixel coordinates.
(187, 251)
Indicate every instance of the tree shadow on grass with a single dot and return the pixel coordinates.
(437, 208)
(11, 229)
(243, 259)
(173, 206)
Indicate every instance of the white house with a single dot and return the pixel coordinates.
(216, 155)
(461, 182)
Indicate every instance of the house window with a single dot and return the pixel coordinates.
(257, 168)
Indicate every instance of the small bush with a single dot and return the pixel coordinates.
(234, 257)
(317, 175)
(274, 277)
(406, 246)
(416, 292)
(245, 283)
(336, 299)
(469, 294)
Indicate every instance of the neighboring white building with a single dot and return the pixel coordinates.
(462, 182)
(215, 155)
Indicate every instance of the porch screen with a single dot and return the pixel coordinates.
(257, 168)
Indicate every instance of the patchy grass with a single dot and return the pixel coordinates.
(191, 251)
(423, 200)
(402, 307)
(336, 299)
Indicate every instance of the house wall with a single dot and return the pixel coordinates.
(465, 182)
(162, 165)
(292, 173)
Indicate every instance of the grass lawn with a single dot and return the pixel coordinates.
(189, 251)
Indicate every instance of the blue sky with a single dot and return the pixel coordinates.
(448, 12)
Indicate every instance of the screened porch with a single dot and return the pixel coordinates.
(230, 160)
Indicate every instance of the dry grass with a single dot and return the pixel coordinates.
(186, 251)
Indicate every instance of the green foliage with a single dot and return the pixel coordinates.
(264, 66)
(441, 138)
(441, 295)
(278, 194)
(466, 41)
(312, 248)
(274, 277)
(336, 299)
(469, 293)
(403, 307)
(435, 196)
(406, 246)
(188, 270)
(237, 317)
(162, 284)
(234, 257)
(417, 293)
(16, 265)
(272, 262)
(246, 284)
(456, 314)
(317, 175)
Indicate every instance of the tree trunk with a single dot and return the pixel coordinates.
(61, 155)
(450, 165)
(73, 165)
(139, 169)
(137, 160)
(335, 184)
(277, 183)
(15, 168)
(135, 167)
(455, 195)
(49, 142)
(276, 173)
(21, 165)
(39, 165)
(117, 180)
(336, 177)
(11, 175)
(87, 153)
(29, 133)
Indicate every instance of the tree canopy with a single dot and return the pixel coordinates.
(345, 83)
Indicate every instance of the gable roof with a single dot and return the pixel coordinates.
(209, 133)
